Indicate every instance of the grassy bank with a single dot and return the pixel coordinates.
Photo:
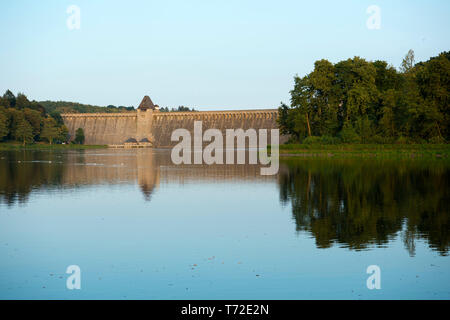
(369, 150)
(41, 146)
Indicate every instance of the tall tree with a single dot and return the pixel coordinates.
(387, 122)
(35, 119)
(301, 97)
(22, 101)
(63, 134)
(24, 132)
(324, 103)
(79, 136)
(3, 124)
(408, 62)
(433, 78)
(50, 130)
(9, 99)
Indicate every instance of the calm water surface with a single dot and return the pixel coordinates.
(141, 228)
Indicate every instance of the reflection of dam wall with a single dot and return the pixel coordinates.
(146, 167)
(157, 127)
(24, 172)
(107, 166)
(214, 174)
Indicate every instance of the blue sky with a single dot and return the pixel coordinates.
(210, 55)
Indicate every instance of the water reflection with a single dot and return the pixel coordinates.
(352, 203)
(25, 171)
(361, 203)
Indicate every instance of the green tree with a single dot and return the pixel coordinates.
(15, 117)
(433, 79)
(57, 116)
(4, 130)
(348, 134)
(35, 119)
(387, 122)
(50, 131)
(24, 132)
(9, 99)
(284, 120)
(63, 133)
(365, 129)
(22, 101)
(324, 103)
(79, 136)
(408, 62)
(356, 88)
(301, 96)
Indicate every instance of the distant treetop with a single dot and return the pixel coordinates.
(75, 107)
(179, 109)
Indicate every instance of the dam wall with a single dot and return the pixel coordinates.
(102, 128)
(165, 123)
(157, 127)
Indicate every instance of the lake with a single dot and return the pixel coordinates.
(140, 227)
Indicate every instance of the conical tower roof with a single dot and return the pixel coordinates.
(146, 104)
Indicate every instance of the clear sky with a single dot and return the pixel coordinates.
(209, 55)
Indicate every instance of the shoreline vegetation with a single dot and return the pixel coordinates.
(356, 101)
(366, 150)
(370, 109)
(6, 146)
(292, 150)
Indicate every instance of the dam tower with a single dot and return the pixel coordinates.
(145, 113)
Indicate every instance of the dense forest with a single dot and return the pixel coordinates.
(358, 101)
(28, 121)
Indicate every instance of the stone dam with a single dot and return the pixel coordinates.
(149, 125)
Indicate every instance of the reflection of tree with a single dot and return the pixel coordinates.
(357, 203)
(22, 171)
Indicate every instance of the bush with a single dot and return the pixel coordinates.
(79, 136)
(312, 140)
(329, 140)
(437, 140)
(380, 140)
(402, 140)
(348, 134)
(321, 140)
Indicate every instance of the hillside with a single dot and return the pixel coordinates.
(75, 107)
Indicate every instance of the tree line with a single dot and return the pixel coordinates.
(28, 121)
(179, 109)
(359, 101)
(75, 107)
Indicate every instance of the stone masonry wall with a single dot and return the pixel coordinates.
(102, 128)
(157, 127)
